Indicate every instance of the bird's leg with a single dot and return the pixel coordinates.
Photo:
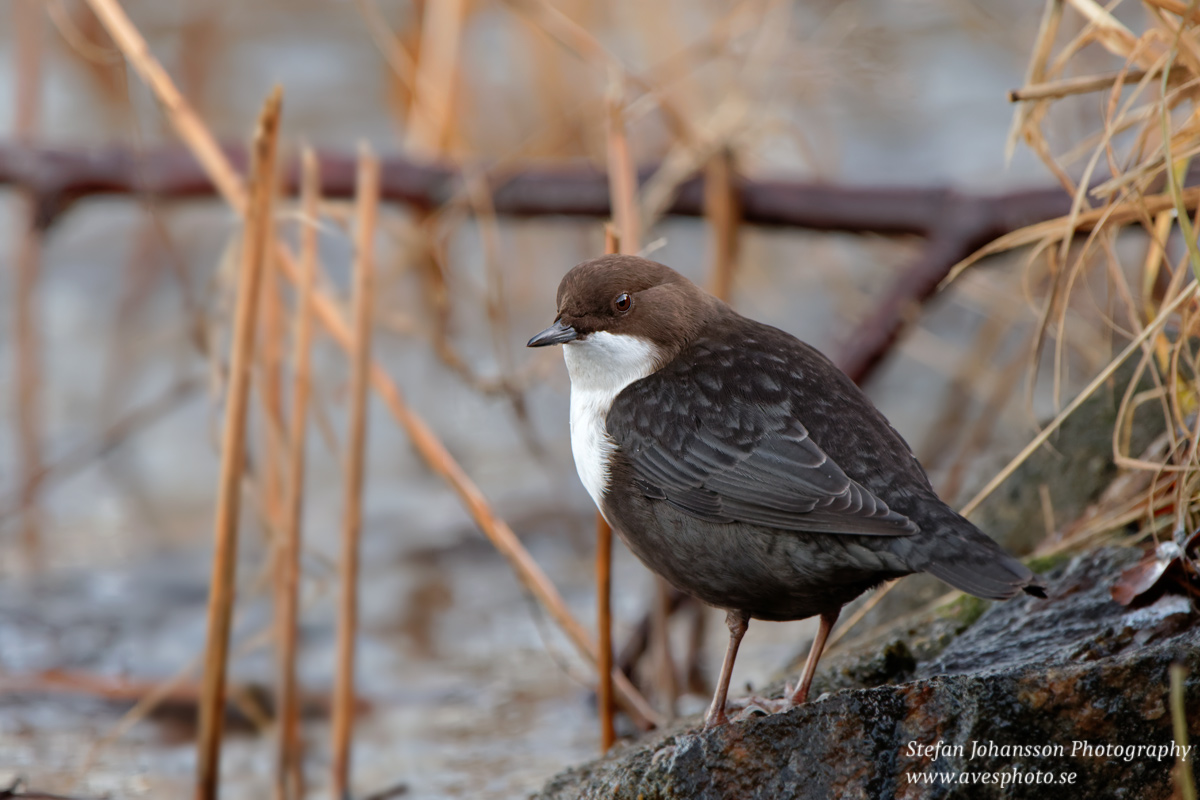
(738, 622)
(814, 655)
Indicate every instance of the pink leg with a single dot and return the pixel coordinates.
(738, 622)
(814, 655)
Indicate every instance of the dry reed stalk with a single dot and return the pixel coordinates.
(256, 237)
(612, 239)
(622, 174)
(1053, 90)
(1178, 8)
(80, 38)
(366, 207)
(604, 545)
(182, 116)
(721, 208)
(604, 667)
(431, 115)
(1153, 326)
(622, 188)
(1056, 229)
(560, 104)
(275, 441)
(1108, 30)
(220, 171)
(554, 23)
(1026, 115)
(399, 59)
(1143, 147)
(27, 30)
(272, 333)
(431, 104)
(289, 781)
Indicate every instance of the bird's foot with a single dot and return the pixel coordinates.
(715, 718)
(755, 706)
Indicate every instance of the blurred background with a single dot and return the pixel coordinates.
(115, 334)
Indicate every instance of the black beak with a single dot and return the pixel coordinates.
(558, 333)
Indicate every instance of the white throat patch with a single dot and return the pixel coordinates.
(601, 365)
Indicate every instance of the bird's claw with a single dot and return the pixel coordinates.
(716, 720)
(755, 706)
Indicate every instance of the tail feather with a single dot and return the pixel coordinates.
(958, 553)
(999, 580)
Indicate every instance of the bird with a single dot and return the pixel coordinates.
(743, 466)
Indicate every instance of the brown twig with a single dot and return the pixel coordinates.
(365, 209)
(255, 240)
(58, 177)
(288, 772)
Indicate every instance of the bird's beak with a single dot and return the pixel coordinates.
(558, 333)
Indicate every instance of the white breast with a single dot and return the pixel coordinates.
(600, 366)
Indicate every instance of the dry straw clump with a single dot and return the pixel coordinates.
(1131, 176)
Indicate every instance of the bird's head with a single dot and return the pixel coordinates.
(619, 304)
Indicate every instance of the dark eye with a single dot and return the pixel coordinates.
(623, 302)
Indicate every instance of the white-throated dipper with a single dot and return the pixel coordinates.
(743, 466)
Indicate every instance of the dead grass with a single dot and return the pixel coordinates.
(1132, 170)
(256, 239)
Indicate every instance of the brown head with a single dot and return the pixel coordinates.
(628, 296)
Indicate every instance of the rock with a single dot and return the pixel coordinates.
(1020, 695)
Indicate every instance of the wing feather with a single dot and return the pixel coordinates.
(724, 449)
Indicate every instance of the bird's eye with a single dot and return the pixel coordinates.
(623, 302)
